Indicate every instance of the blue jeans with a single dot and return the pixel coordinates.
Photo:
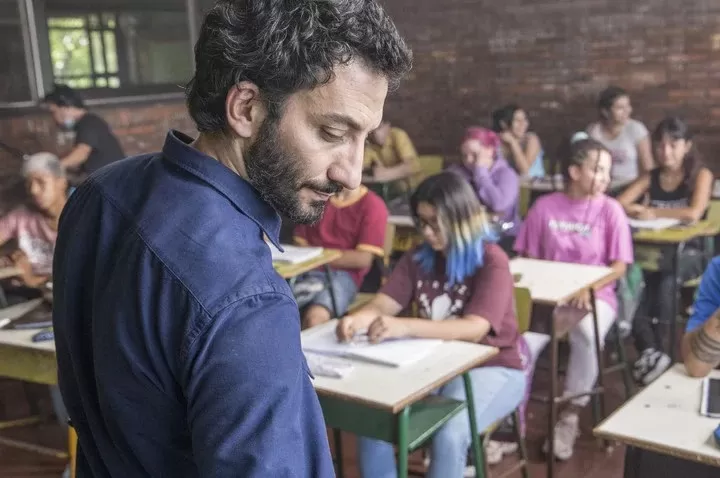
(344, 290)
(497, 392)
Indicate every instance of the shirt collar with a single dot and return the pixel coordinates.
(178, 151)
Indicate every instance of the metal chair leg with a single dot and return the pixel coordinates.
(552, 416)
(337, 440)
(522, 447)
(622, 356)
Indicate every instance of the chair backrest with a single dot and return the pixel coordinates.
(389, 240)
(380, 269)
(523, 308)
(713, 214)
(430, 164)
(524, 201)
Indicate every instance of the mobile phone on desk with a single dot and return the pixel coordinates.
(710, 403)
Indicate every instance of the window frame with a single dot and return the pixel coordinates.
(40, 74)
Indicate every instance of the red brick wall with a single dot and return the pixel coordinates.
(553, 57)
(140, 128)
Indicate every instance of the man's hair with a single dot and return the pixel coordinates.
(63, 95)
(284, 46)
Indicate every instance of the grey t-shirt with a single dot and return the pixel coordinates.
(623, 148)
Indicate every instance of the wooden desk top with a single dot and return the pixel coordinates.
(665, 418)
(401, 221)
(22, 339)
(676, 235)
(8, 272)
(288, 271)
(391, 388)
(555, 282)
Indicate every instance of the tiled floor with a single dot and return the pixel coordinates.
(589, 461)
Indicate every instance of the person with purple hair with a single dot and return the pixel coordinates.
(494, 181)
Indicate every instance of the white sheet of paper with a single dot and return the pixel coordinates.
(294, 254)
(395, 353)
(655, 224)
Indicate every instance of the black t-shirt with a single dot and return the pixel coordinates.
(662, 199)
(95, 132)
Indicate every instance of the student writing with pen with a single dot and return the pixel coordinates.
(679, 188)
(461, 284)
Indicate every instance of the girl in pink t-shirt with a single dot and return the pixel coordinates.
(34, 227)
(581, 225)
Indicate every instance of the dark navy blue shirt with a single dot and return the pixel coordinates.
(178, 345)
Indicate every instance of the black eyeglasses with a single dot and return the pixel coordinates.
(421, 223)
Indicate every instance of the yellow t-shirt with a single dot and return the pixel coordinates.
(397, 149)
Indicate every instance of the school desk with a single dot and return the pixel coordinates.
(394, 404)
(554, 283)
(672, 241)
(290, 272)
(23, 359)
(662, 424)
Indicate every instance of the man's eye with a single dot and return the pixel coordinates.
(333, 136)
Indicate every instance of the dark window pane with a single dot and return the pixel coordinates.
(157, 47)
(14, 81)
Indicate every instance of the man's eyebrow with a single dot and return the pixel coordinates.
(341, 118)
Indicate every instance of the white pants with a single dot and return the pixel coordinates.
(582, 371)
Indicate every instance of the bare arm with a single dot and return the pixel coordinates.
(380, 305)
(352, 259)
(698, 203)
(645, 158)
(618, 270)
(700, 349)
(470, 328)
(634, 192)
(77, 156)
(524, 159)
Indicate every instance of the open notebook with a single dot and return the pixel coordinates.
(295, 254)
(395, 353)
(654, 224)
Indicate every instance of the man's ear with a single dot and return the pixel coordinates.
(244, 109)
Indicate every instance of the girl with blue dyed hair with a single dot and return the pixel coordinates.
(459, 287)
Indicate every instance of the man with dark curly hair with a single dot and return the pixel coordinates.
(178, 345)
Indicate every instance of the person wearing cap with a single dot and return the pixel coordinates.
(95, 144)
(34, 226)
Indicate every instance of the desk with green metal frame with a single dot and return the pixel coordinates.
(395, 404)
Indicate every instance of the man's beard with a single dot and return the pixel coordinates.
(279, 177)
